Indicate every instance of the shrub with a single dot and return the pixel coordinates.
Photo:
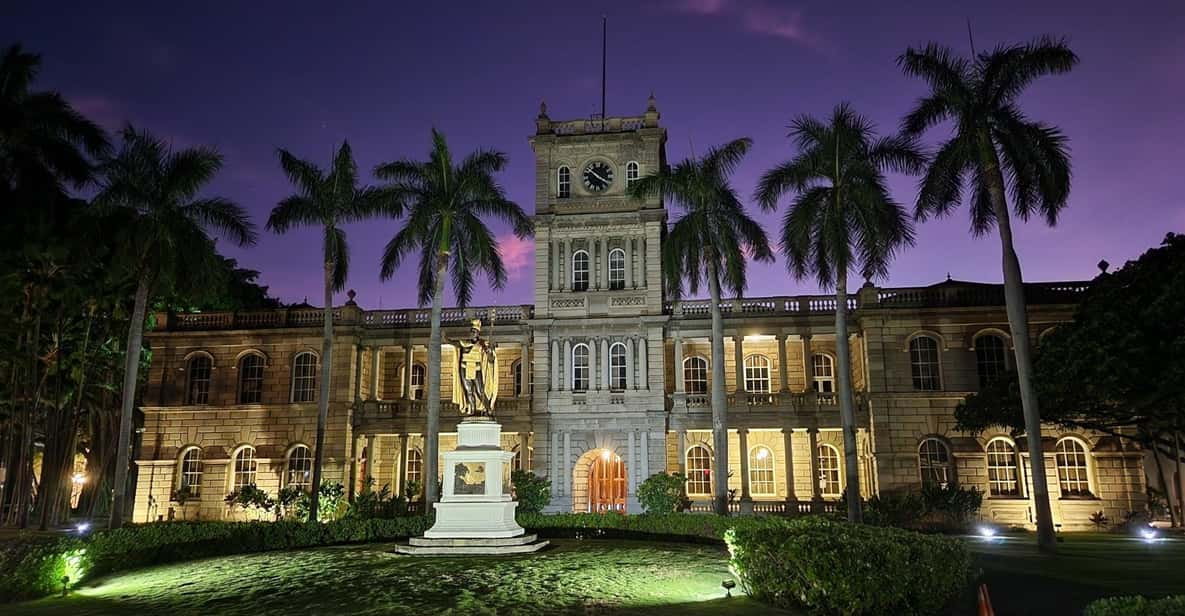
(532, 492)
(330, 503)
(835, 567)
(707, 526)
(935, 508)
(250, 497)
(663, 493)
(1137, 606)
(900, 509)
(382, 504)
(953, 504)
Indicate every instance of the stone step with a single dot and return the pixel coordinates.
(473, 542)
(470, 550)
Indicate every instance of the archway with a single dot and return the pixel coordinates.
(607, 483)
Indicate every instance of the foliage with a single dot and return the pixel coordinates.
(704, 526)
(250, 497)
(664, 493)
(1099, 519)
(532, 492)
(286, 501)
(382, 504)
(1137, 606)
(413, 490)
(330, 502)
(839, 568)
(933, 508)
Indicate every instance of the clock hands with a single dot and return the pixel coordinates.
(598, 176)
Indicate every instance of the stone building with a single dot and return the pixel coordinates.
(605, 380)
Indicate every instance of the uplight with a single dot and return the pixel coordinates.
(987, 532)
(1149, 534)
(82, 527)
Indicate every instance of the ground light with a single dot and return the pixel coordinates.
(1149, 535)
(987, 532)
(82, 527)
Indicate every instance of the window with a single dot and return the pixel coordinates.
(823, 369)
(923, 363)
(198, 391)
(304, 378)
(300, 468)
(1071, 468)
(699, 471)
(245, 466)
(829, 471)
(580, 371)
(1001, 467)
(580, 271)
(990, 358)
(757, 374)
(631, 173)
(617, 370)
(251, 379)
(415, 467)
(934, 462)
(191, 471)
(616, 269)
(563, 182)
(417, 382)
(516, 369)
(695, 375)
(761, 471)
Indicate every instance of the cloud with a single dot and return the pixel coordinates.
(756, 16)
(518, 255)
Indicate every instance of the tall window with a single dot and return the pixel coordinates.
(415, 466)
(300, 468)
(695, 375)
(616, 269)
(251, 379)
(580, 271)
(823, 369)
(990, 358)
(516, 369)
(199, 380)
(761, 471)
(1001, 467)
(580, 367)
(934, 462)
(1071, 468)
(699, 471)
(923, 363)
(757, 374)
(829, 484)
(191, 471)
(617, 372)
(563, 182)
(417, 382)
(304, 378)
(245, 467)
(631, 173)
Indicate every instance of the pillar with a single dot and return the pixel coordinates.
(357, 372)
(629, 262)
(743, 433)
(375, 394)
(680, 386)
(401, 442)
(563, 266)
(782, 362)
(813, 437)
(565, 465)
(807, 377)
(605, 365)
(524, 449)
(681, 438)
(408, 363)
(594, 379)
(645, 436)
(738, 348)
(556, 383)
(788, 453)
(568, 380)
(371, 458)
(644, 363)
(630, 381)
(528, 372)
(632, 471)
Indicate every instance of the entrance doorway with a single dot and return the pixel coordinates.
(607, 483)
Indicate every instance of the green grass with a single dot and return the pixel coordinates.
(588, 576)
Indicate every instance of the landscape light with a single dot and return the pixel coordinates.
(82, 527)
(728, 585)
(987, 532)
(1149, 534)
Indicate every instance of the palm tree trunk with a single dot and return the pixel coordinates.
(432, 430)
(1177, 475)
(847, 411)
(1164, 486)
(1018, 323)
(323, 398)
(131, 372)
(719, 403)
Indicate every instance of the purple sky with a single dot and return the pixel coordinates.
(253, 76)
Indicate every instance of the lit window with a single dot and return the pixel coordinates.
(761, 471)
(300, 468)
(564, 182)
(251, 379)
(617, 371)
(304, 378)
(699, 471)
(631, 173)
(923, 361)
(245, 466)
(580, 372)
(191, 471)
(415, 466)
(417, 382)
(1001, 467)
(1071, 468)
(757, 374)
(934, 462)
(616, 269)
(823, 369)
(990, 358)
(695, 375)
(199, 380)
(829, 484)
(580, 271)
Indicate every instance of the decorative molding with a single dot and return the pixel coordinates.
(568, 302)
(631, 300)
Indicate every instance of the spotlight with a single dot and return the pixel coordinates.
(1149, 534)
(82, 527)
(728, 585)
(987, 532)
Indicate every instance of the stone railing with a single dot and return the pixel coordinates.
(971, 294)
(789, 401)
(792, 305)
(377, 410)
(348, 315)
(422, 317)
(771, 507)
(597, 125)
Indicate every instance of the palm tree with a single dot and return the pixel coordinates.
(327, 200)
(991, 137)
(446, 204)
(708, 244)
(842, 218)
(166, 243)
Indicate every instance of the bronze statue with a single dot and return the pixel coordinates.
(475, 373)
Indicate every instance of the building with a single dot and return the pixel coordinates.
(605, 379)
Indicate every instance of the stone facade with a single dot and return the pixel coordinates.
(604, 380)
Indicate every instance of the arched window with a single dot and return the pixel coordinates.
(991, 358)
(695, 375)
(757, 374)
(251, 379)
(415, 466)
(616, 269)
(580, 270)
(244, 468)
(580, 371)
(190, 475)
(631, 173)
(761, 471)
(1001, 468)
(198, 389)
(1072, 471)
(829, 483)
(699, 471)
(563, 182)
(304, 378)
(300, 468)
(934, 462)
(617, 371)
(823, 371)
(923, 363)
(417, 381)
(516, 370)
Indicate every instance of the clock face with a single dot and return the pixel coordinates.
(598, 176)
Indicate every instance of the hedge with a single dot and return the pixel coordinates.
(1137, 606)
(834, 567)
(706, 526)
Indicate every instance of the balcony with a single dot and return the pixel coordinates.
(410, 413)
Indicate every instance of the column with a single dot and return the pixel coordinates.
(813, 437)
(782, 362)
(738, 350)
(563, 267)
(807, 377)
(645, 436)
(565, 463)
(643, 363)
(631, 472)
(605, 365)
(528, 372)
(357, 373)
(642, 251)
(681, 439)
(401, 463)
(630, 381)
(371, 458)
(680, 386)
(374, 374)
(567, 368)
(553, 462)
(595, 263)
(629, 262)
(524, 449)
(788, 453)
(555, 384)
(743, 433)
(409, 357)
(554, 264)
(593, 376)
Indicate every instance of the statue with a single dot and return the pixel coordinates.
(475, 373)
